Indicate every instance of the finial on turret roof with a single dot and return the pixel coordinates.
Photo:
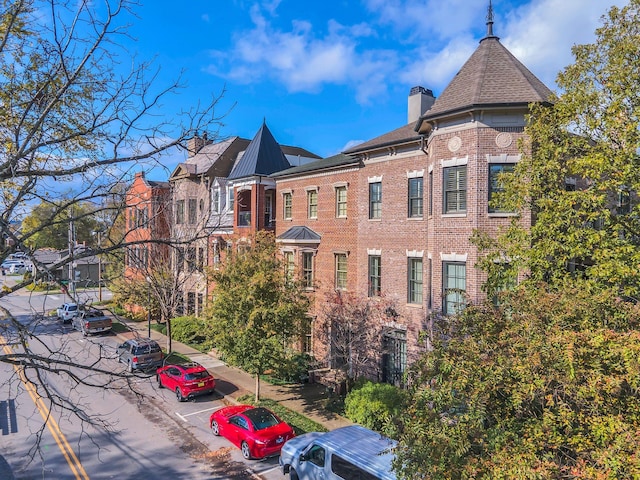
(490, 20)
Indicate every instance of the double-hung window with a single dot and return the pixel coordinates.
(375, 273)
(341, 202)
(289, 265)
(455, 189)
(287, 205)
(312, 203)
(341, 271)
(192, 211)
(179, 212)
(375, 200)
(415, 197)
(495, 184)
(307, 269)
(415, 279)
(455, 279)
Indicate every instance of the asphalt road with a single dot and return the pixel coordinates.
(131, 429)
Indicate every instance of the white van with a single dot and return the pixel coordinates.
(347, 453)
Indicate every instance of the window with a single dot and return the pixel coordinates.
(179, 212)
(623, 205)
(312, 204)
(306, 335)
(268, 209)
(201, 259)
(231, 200)
(341, 202)
(414, 288)
(455, 279)
(415, 197)
(216, 201)
(431, 193)
(341, 270)
(193, 213)
(375, 200)
(495, 185)
(374, 275)
(394, 347)
(287, 205)
(200, 303)
(289, 265)
(455, 189)
(191, 259)
(316, 455)
(191, 303)
(307, 269)
(347, 470)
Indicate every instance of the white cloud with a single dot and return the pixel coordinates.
(542, 33)
(303, 62)
(430, 41)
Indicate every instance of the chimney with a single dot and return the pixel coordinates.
(194, 144)
(420, 100)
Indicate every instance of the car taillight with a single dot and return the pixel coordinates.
(134, 359)
(86, 324)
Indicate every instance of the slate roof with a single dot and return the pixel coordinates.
(263, 156)
(328, 163)
(299, 234)
(215, 159)
(492, 76)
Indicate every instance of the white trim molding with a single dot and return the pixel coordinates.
(454, 162)
(453, 257)
(415, 253)
(503, 158)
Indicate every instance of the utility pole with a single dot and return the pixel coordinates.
(72, 289)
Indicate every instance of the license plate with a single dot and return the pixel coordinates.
(201, 384)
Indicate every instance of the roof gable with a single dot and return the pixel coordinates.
(263, 156)
(492, 76)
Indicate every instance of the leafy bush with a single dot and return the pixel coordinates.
(375, 406)
(191, 330)
(295, 369)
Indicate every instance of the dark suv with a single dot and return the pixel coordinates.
(140, 354)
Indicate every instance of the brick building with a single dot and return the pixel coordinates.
(148, 212)
(393, 216)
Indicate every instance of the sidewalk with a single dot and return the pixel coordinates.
(232, 383)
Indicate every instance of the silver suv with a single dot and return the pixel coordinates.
(140, 354)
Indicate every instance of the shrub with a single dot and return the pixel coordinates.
(375, 406)
(295, 369)
(191, 330)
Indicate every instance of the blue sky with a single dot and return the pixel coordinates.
(327, 75)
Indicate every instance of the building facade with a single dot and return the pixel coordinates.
(395, 215)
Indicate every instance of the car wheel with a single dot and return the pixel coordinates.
(179, 395)
(293, 475)
(215, 428)
(246, 452)
(159, 381)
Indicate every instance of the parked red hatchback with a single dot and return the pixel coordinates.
(187, 380)
(256, 430)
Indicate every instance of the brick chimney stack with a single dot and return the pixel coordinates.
(420, 100)
(195, 143)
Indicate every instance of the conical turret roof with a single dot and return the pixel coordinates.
(262, 157)
(491, 77)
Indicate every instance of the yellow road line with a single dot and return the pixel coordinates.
(75, 465)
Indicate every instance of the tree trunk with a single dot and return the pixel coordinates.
(168, 335)
(257, 387)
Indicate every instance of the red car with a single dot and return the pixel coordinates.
(187, 380)
(257, 431)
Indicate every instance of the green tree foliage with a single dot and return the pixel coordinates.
(47, 227)
(545, 387)
(375, 406)
(581, 182)
(256, 313)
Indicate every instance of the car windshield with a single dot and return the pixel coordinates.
(196, 375)
(73, 308)
(261, 418)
